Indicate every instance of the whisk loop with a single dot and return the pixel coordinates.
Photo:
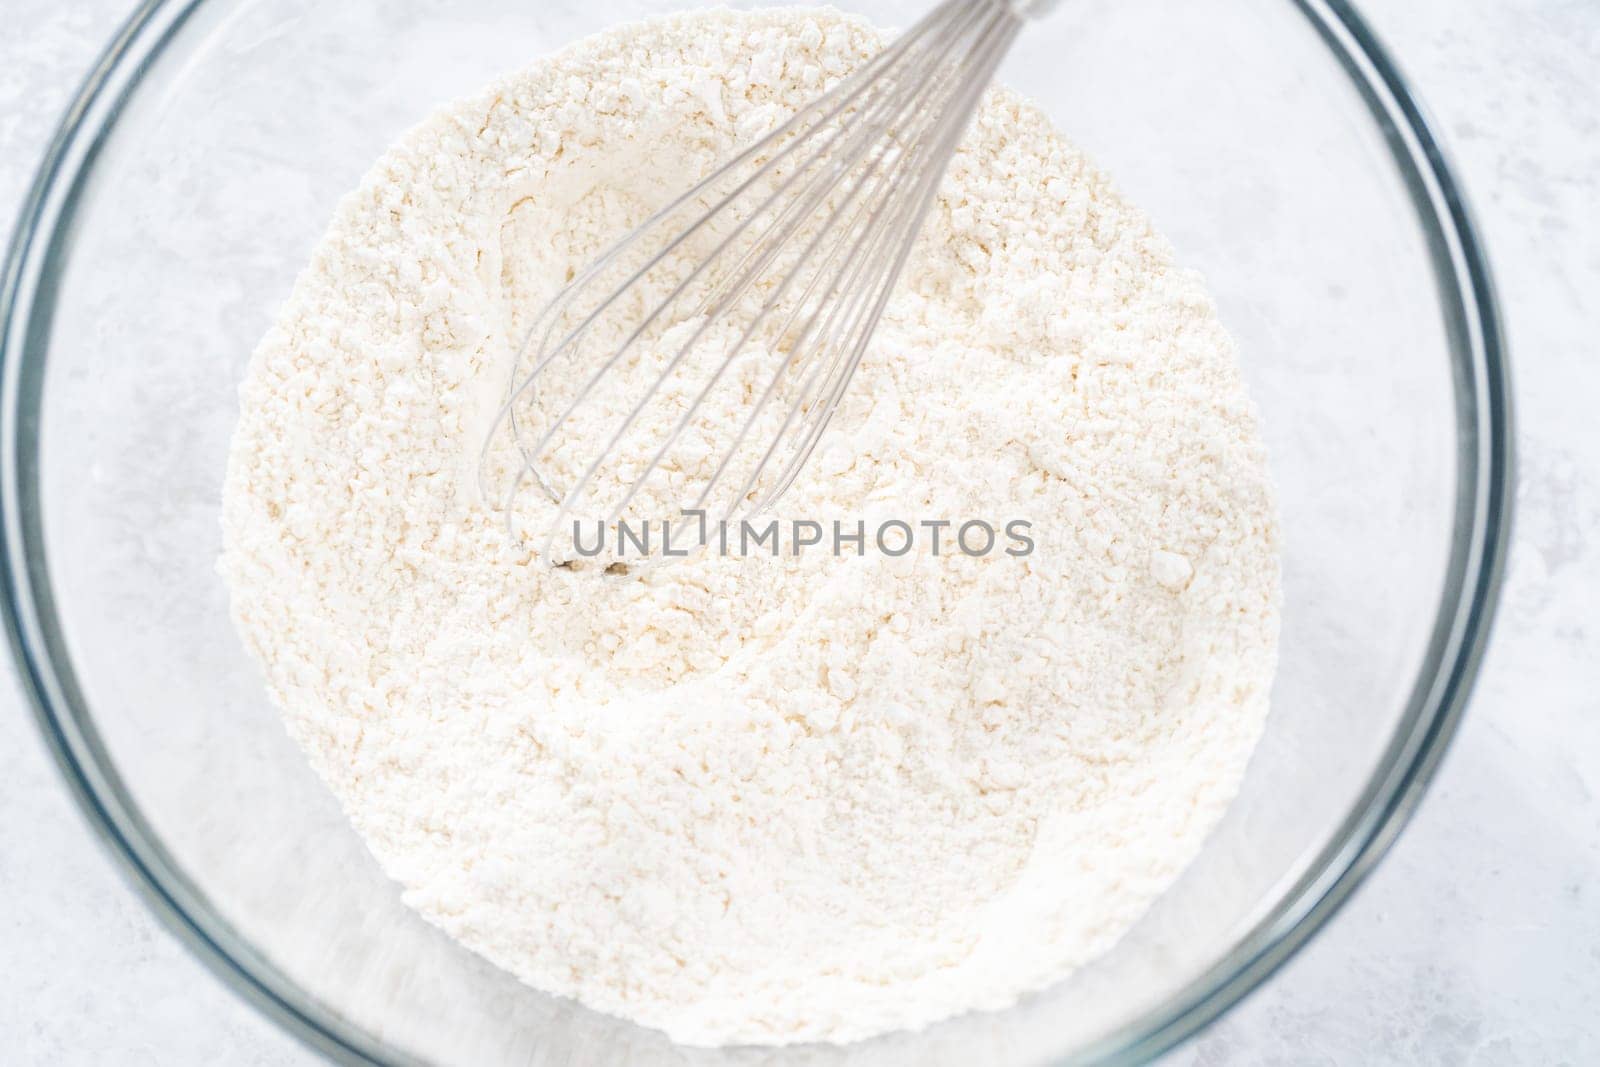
(697, 362)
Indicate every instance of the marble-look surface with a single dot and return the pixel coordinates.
(1477, 940)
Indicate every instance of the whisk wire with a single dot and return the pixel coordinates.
(856, 86)
(898, 238)
(809, 241)
(550, 315)
(792, 217)
(881, 178)
(862, 333)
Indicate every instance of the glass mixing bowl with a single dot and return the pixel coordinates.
(1273, 142)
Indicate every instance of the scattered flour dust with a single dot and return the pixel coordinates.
(763, 800)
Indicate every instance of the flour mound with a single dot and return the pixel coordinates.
(763, 800)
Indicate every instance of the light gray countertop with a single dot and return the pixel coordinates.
(1477, 940)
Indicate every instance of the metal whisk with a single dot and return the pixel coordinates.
(696, 363)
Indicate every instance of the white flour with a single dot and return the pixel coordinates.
(763, 800)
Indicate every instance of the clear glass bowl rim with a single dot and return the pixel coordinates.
(1484, 497)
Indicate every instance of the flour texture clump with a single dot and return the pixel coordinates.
(763, 799)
